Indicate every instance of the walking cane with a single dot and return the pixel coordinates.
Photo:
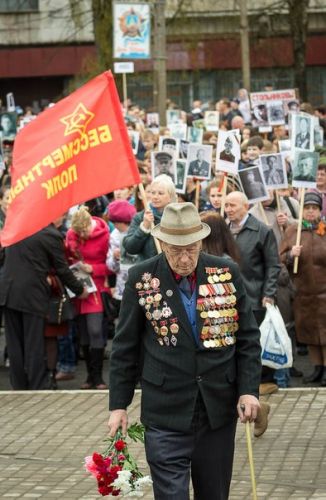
(251, 458)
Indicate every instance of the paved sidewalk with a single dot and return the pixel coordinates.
(46, 435)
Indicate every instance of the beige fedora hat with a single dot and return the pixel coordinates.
(181, 225)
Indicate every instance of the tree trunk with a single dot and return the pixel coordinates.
(298, 20)
(103, 32)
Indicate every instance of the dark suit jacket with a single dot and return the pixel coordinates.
(172, 376)
(200, 170)
(23, 284)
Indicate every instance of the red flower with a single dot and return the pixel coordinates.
(97, 459)
(104, 490)
(120, 445)
(115, 493)
(121, 458)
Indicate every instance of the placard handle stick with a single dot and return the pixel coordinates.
(224, 189)
(197, 193)
(262, 212)
(296, 259)
(146, 206)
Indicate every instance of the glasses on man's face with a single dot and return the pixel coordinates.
(178, 252)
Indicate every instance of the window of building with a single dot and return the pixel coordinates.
(14, 6)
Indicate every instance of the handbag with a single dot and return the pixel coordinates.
(276, 347)
(61, 308)
(110, 310)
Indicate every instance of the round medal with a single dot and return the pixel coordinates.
(222, 277)
(157, 297)
(155, 283)
(148, 315)
(206, 343)
(164, 330)
(174, 328)
(142, 301)
(215, 278)
(204, 314)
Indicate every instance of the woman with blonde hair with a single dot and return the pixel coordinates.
(87, 243)
(139, 240)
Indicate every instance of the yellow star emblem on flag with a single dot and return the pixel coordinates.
(78, 120)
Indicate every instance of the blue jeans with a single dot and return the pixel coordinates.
(282, 377)
(66, 351)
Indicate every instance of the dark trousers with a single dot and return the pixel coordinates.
(203, 453)
(25, 342)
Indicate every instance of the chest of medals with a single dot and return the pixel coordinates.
(157, 310)
(216, 304)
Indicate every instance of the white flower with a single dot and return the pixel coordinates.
(123, 481)
(143, 482)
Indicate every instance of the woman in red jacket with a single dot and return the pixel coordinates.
(87, 242)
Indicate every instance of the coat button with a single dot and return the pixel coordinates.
(199, 378)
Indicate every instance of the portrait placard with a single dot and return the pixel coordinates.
(134, 140)
(8, 125)
(211, 121)
(183, 149)
(163, 163)
(153, 122)
(181, 176)
(228, 151)
(304, 169)
(178, 130)
(271, 108)
(169, 145)
(274, 170)
(302, 131)
(253, 184)
(195, 135)
(173, 116)
(199, 161)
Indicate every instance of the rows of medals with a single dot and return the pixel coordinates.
(157, 311)
(216, 303)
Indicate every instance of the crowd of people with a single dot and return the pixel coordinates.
(110, 234)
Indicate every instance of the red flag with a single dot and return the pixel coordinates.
(70, 153)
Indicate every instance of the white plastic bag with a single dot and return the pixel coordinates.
(276, 347)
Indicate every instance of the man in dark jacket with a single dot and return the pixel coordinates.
(186, 325)
(25, 293)
(260, 265)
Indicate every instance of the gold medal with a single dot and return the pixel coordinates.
(204, 314)
(228, 276)
(139, 285)
(164, 330)
(222, 277)
(217, 342)
(148, 315)
(157, 297)
(174, 328)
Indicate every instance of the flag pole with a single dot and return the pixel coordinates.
(146, 206)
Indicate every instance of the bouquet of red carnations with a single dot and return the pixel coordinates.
(115, 470)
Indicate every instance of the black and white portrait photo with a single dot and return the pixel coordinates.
(195, 135)
(181, 176)
(183, 149)
(275, 113)
(274, 170)
(303, 131)
(8, 125)
(169, 145)
(305, 166)
(134, 140)
(211, 121)
(199, 161)
(227, 151)
(259, 113)
(253, 184)
(153, 121)
(163, 163)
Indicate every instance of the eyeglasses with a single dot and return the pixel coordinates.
(178, 252)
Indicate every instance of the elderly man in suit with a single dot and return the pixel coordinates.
(199, 167)
(187, 330)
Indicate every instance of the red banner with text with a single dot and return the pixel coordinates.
(70, 153)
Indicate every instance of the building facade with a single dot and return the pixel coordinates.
(44, 43)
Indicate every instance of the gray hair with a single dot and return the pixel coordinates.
(166, 181)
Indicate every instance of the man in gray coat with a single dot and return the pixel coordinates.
(260, 264)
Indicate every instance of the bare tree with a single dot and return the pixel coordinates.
(103, 27)
(298, 21)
